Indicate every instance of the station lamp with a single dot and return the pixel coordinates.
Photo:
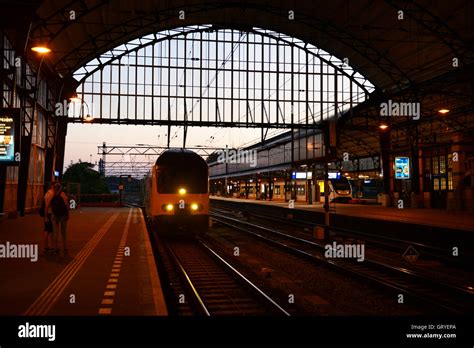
(41, 49)
(75, 98)
(182, 191)
(443, 111)
(383, 126)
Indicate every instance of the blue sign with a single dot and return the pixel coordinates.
(402, 168)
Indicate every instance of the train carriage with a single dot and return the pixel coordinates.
(176, 193)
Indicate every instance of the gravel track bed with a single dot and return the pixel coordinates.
(316, 289)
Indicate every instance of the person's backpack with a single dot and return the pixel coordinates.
(42, 211)
(58, 206)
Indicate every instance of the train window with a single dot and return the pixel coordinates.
(340, 184)
(171, 178)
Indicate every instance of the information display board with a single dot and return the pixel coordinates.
(9, 136)
(334, 175)
(402, 168)
(301, 175)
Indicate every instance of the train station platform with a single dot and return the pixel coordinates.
(427, 217)
(109, 268)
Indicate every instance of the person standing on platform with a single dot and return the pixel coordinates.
(60, 216)
(45, 213)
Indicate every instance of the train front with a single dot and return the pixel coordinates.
(179, 193)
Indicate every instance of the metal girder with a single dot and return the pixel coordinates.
(437, 26)
(378, 59)
(64, 11)
(196, 92)
(128, 165)
(148, 150)
(186, 31)
(146, 20)
(151, 20)
(51, 129)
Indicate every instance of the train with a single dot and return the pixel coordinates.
(340, 189)
(177, 193)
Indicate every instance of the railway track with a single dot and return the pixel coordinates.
(204, 283)
(386, 243)
(444, 296)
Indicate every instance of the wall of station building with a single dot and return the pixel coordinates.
(36, 175)
(445, 179)
(445, 175)
(305, 149)
(364, 177)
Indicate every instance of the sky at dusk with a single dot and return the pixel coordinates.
(83, 139)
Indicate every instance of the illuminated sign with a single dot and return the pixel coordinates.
(402, 168)
(301, 175)
(10, 136)
(334, 175)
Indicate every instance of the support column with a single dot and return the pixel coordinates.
(385, 149)
(416, 197)
(23, 171)
(257, 187)
(3, 168)
(49, 153)
(422, 172)
(48, 165)
(61, 132)
(461, 196)
(25, 143)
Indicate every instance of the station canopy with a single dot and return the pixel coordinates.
(412, 51)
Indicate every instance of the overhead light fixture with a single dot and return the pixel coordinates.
(75, 98)
(443, 111)
(88, 118)
(383, 126)
(41, 49)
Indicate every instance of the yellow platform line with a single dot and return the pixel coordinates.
(114, 275)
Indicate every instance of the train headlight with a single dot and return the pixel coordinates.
(194, 206)
(169, 207)
(182, 191)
